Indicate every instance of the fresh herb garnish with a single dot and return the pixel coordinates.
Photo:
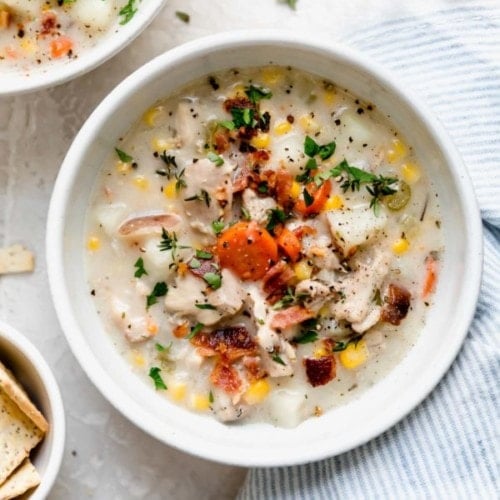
(127, 12)
(288, 299)
(377, 298)
(195, 330)
(201, 196)
(218, 226)
(245, 214)
(168, 241)
(180, 183)
(154, 373)
(276, 216)
(139, 265)
(213, 279)
(170, 162)
(306, 176)
(227, 124)
(243, 117)
(163, 348)
(160, 289)
(312, 148)
(256, 94)
(206, 306)
(124, 157)
(211, 397)
(306, 337)
(277, 359)
(203, 254)
(291, 3)
(308, 198)
(183, 16)
(194, 263)
(216, 159)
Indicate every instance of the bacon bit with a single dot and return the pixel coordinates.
(225, 377)
(241, 179)
(231, 343)
(290, 317)
(49, 22)
(320, 371)
(180, 331)
(221, 140)
(259, 156)
(284, 181)
(276, 281)
(253, 368)
(302, 231)
(61, 46)
(397, 305)
(238, 102)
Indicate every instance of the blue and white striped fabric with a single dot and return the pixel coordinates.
(448, 447)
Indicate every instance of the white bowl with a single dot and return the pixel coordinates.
(111, 42)
(31, 370)
(337, 430)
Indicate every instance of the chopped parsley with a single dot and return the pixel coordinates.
(160, 289)
(211, 398)
(183, 16)
(216, 159)
(203, 254)
(277, 359)
(195, 330)
(213, 279)
(124, 157)
(139, 266)
(206, 306)
(227, 124)
(276, 216)
(308, 332)
(256, 94)
(243, 117)
(154, 373)
(312, 148)
(162, 348)
(218, 226)
(308, 198)
(127, 12)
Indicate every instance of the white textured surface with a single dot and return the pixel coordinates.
(106, 456)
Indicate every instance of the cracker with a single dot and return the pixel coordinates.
(17, 394)
(16, 259)
(18, 435)
(20, 481)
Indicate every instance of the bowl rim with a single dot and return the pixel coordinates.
(203, 47)
(89, 60)
(58, 421)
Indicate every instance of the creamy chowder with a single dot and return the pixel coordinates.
(262, 246)
(36, 32)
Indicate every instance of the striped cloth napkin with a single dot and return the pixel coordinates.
(448, 447)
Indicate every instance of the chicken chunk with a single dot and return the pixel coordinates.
(258, 207)
(315, 294)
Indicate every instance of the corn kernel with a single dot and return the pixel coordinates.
(400, 246)
(160, 144)
(397, 152)
(177, 391)
(324, 311)
(295, 190)
(28, 45)
(410, 172)
(152, 327)
(260, 141)
(271, 75)
(200, 402)
(93, 243)
(141, 182)
(182, 269)
(123, 167)
(329, 97)
(169, 190)
(151, 115)
(239, 90)
(282, 128)
(335, 202)
(310, 125)
(302, 270)
(138, 359)
(257, 392)
(354, 355)
(320, 352)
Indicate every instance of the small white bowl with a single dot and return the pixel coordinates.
(340, 429)
(110, 43)
(31, 370)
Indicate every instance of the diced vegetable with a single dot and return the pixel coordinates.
(319, 196)
(289, 243)
(430, 276)
(247, 249)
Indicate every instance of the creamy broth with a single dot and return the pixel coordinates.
(263, 246)
(38, 32)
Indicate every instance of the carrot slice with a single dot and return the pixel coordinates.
(430, 276)
(291, 316)
(289, 243)
(319, 197)
(61, 46)
(247, 249)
